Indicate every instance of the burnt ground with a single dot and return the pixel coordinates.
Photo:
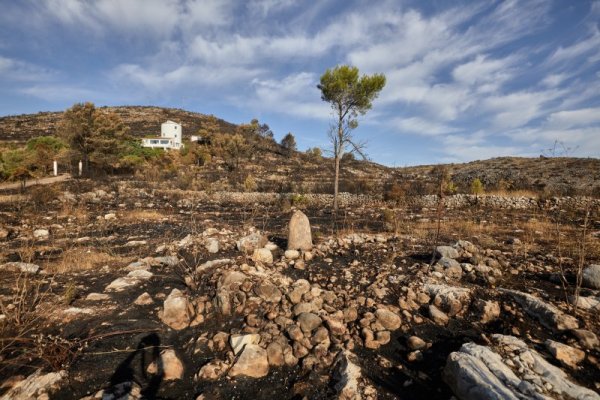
(116, 341)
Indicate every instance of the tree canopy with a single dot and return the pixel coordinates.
(349, 95)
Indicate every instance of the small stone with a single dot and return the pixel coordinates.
(437, 315)
(292, 254)
(308, 321)
(268, 292)
(263, 255)
(336, 327)
(212, 246)
(144, 299)
(416, 343)
(415, 356)
(275, 354)
(388, 319)
(489, 310)
(41, 234)
(213, 370)
(97, 297)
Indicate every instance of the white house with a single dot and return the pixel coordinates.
(170, 137)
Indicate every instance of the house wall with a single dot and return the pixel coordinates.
(171, 129)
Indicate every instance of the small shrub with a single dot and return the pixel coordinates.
(43, 195)
(70, 293)
(476, 187)
(299, 200)
(250, 184)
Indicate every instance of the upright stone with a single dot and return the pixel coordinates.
(299, 237)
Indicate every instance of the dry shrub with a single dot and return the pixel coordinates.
(42, 196)
(141, 215)
(81, 259)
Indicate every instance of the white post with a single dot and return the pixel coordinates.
(80, 167)
(55, 168)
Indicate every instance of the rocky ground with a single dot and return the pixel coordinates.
(119, 292)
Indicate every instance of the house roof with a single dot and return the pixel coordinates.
(171, 122)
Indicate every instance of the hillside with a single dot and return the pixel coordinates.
(143, 121)
(276, 171)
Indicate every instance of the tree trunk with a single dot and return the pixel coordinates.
(336, 183)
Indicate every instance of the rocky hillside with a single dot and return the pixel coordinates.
(143, 121)
(276, 171)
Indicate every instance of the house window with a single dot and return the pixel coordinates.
(153, 141)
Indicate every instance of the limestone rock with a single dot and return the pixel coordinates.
(292, 254)
(388, 319)
(587, 339)
(41, 234)
(446, 251)
(299, 236)
(172, 368)
(21, 267)
(416, 343)
(591, 276)
(275, 354)
(268, 292)
(437, 315)
(567, 355)
(480, 372)
(178, 312)
(251, 242)
(489, 310)
(347, 376)
(550, 316)
(309, 321)
(213, 370)
(253, 362)
(143, 299)
(263, 255)
(35, 386)
(238, 342)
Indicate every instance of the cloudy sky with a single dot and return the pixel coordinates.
(465, 81)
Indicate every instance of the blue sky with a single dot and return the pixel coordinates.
(465, 80)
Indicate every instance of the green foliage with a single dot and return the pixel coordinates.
(476, 187)
(315, 153)
(299, 200)
(451, 188)
(289, 143)
(232, 148)
(348, 94)
(94, 135)
(11, 162)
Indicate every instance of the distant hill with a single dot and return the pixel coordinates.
(276, 171)
(143, 121)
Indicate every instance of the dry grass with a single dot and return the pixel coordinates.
(12, 198)
(511, 193)
(142, 215)
(82, 259)
(76, 211)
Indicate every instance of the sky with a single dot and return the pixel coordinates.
(465, 80)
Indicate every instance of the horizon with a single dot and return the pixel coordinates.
(468, 82)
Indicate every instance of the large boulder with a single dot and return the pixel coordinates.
(299, 237)
(35, 386)
(508, 369)
(591, 276)
(178, 312)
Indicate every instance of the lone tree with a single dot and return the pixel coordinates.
(289, 143)
(349, 96)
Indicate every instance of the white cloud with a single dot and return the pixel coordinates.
(58, 92)
(518, 108)
(553, 80)
(421, 126)
(570, 53)
(17, 70)
(295, 95)
(574, 118)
